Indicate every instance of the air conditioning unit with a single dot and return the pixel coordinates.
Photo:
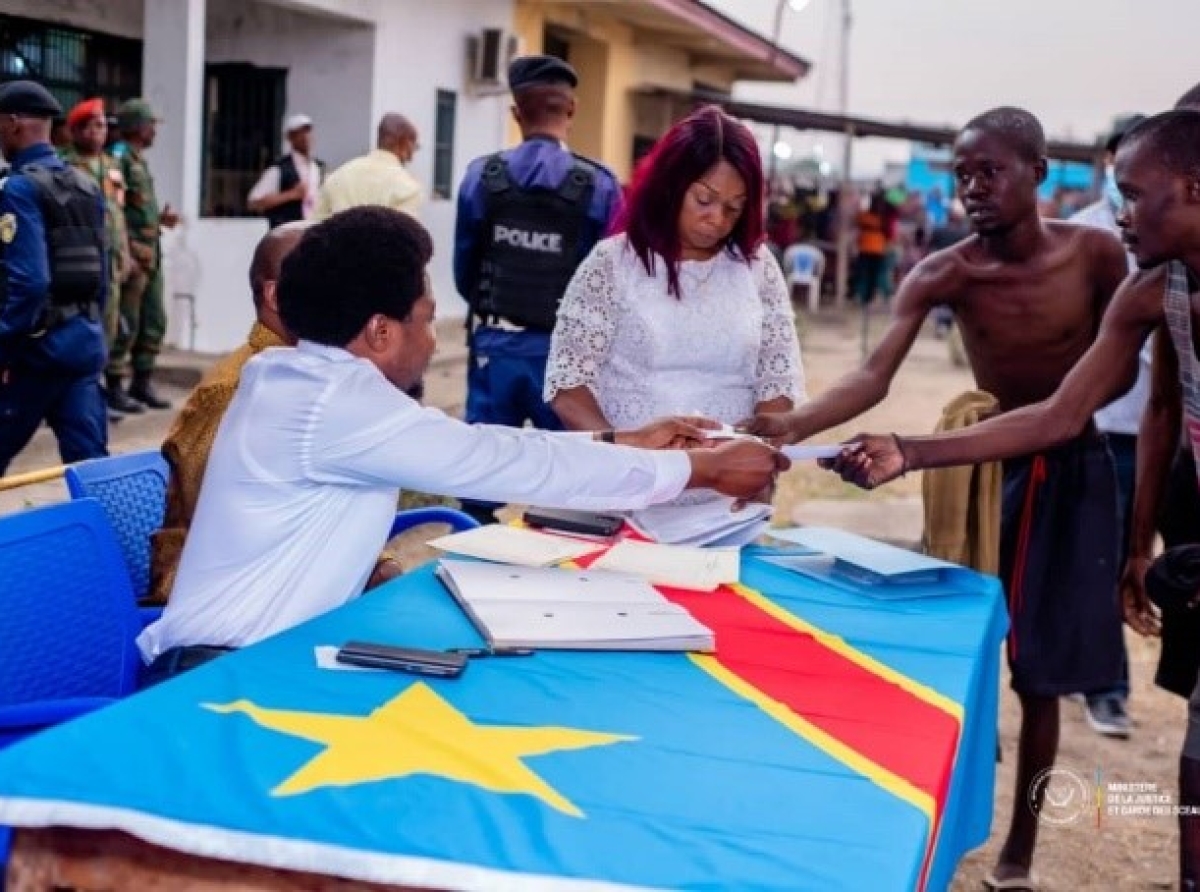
(489, 53)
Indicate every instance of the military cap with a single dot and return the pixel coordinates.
(134, 112)
(28, 98)
(528, 71)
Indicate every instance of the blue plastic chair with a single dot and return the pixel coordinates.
(69, 617)
(414, 517)
(132, 490)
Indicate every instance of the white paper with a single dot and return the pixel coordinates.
(707, 523)
(514, 545)
(681, 566)
(806, 451)
(553, 608)
(727, 432)
(326, 657)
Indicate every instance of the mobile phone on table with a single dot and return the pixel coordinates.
(590, 523)
(403, 659)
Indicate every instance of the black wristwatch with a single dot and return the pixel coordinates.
(608, 436)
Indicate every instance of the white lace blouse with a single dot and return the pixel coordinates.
(725, 345)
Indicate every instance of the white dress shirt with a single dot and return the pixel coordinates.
(308, 171)
(304, 476)
(1124, 414)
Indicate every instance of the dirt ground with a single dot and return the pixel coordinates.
(1123, 852)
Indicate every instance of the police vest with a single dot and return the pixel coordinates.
(530, 246)
(76, 241)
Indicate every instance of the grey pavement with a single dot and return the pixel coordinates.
(895, 520)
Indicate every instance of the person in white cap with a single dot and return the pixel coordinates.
(287, 190)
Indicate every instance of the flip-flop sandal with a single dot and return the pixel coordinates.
(1012, 884)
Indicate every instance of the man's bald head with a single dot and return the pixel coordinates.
(268, 256)
(396, 134)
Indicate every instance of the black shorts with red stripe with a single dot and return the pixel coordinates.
(1059, 540)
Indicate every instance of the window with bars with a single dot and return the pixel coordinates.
(71, 63)
(443, 144)
(243, 114)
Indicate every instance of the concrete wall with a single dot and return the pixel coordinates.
(120, 17)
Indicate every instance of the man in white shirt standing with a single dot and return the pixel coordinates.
(287, 190)
(303, 477)
(379, 177)
(1105, 710)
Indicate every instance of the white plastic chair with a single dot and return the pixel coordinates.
(805, 265)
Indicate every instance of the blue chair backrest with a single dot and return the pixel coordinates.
(67, 616)
(413, 517)
(132, 490)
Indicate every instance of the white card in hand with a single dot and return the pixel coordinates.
(807, 451)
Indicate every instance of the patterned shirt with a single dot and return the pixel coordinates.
(1177, 305)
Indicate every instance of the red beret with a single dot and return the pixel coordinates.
(85, 111)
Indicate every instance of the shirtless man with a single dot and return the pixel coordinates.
(1028, 295)
(1158, 174)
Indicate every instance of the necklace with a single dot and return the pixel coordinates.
(697, 280)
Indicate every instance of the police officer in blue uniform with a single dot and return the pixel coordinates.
(526, 219)
(53, 286)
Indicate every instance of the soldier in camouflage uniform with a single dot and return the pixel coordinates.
(88, 129)
(143, 316)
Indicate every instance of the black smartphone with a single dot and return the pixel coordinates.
(403, 659)
(591, 523)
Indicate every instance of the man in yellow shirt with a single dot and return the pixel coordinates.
(191, 436)
(379, 177)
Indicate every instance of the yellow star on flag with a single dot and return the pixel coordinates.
(419, 732)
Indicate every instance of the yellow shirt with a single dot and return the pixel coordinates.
(186, 450)
(376, 178)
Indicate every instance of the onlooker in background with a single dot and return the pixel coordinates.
(953, 231)
(190, 439)
(54, 287)
(143, 315)
(526, 218)
(1105, 710)
(686, 309)
(379, 177)
(874, 236)
(287, 190)
(88, 129)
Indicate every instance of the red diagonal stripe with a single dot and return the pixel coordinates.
(892, 727)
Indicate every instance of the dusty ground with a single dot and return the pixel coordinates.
(1123, 853)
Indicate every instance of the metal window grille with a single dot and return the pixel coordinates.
(72, 63)
(243, 114)
(443, 146)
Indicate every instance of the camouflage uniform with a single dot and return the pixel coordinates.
(143, 316)
(106, 171)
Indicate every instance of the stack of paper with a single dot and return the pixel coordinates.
(681, 566)
(515, 545)
(711, 522)
(558, 609)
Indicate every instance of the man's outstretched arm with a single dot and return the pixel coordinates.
(867, 385)
(1104, 372)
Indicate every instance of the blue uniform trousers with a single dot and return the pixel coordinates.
(72, 404)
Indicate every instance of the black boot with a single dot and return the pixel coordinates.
(142, 391)
(118, 400)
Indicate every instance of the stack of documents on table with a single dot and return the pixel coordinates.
(681, 566)
(556, 609)
(515, 545)
(712, 522)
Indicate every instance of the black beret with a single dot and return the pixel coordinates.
(526, 71)
(28, 98)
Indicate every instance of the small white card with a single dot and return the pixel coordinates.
(326, 657)
(806, 451)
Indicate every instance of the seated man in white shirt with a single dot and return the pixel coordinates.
(303, 477)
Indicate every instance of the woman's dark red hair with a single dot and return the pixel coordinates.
(684, 154)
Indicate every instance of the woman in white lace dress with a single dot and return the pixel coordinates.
(684, 311)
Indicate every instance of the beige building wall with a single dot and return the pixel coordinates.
(614, 63)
